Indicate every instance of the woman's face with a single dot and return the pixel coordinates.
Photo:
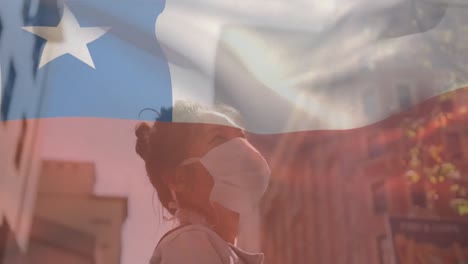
(198, 183)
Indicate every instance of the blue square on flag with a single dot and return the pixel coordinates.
(81, 59)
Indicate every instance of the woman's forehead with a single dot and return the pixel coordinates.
(215, 118)
(199, 131)
(204, 117)
(204, 122)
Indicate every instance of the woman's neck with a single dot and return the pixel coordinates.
(227, 232)
(186, 216)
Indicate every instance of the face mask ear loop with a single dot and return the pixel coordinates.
(174, 204)
(170, 218)
(216, 216)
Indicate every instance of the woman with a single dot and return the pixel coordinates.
(207, 176)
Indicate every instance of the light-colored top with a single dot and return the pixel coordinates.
(198, 244)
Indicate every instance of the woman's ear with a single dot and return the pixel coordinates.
(183, 179)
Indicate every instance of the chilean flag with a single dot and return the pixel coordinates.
(76, 74)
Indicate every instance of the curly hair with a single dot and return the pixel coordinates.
(165, 144)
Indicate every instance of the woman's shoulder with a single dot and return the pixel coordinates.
(190, 232)
(191, 244)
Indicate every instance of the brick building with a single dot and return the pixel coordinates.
(332, 191)
(66, 196)
(50, 242)
(71, 224)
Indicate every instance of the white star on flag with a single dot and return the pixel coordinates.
(67, 38)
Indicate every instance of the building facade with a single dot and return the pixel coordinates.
(50, 242)
(332, 192)
(71, 224)
(66, 197)
(21, 100)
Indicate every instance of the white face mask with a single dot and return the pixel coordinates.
(240, 174)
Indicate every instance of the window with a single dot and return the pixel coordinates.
(453, 143)
(104, 246)
(7, 92)
(447, 106)
(375, 146)
(418, 194)
(404, 96)
(379, 197)
(384, 249)
(21, 142)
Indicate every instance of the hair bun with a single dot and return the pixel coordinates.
(142, 146)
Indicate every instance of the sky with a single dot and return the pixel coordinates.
(120, 172)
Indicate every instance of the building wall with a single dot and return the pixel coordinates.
(324, 204)
(79, 177)
(53, 243)
(70, 201)
(387, 170)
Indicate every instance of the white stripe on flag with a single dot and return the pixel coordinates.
(278, 63)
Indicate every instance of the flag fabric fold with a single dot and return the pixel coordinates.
(285, 66)
(297, 67)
